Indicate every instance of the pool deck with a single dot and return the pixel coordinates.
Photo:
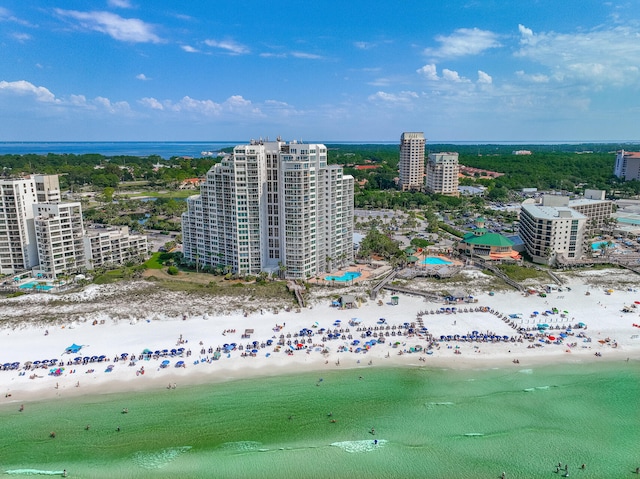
(451, 262)
(366, 273)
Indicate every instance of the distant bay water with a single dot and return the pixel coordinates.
(195, 149)
(117, 148)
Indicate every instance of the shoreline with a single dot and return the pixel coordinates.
(609, 332)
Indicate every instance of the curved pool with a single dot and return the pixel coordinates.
(348, 276)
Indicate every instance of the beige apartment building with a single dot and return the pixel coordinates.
(411, 162)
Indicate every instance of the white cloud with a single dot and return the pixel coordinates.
(142, 77)
(453, 76)
(123, 29)
(78, 100)
(22, 87)
(229, 46)
(7, 16)
(112, 107)
(525, 32)
(273, 55)
(429, 72)
(151, 103)
(464, 41)
(21, 37)
(597, 57)
(533, 78)
(120, 3)
(189, 49)
(402, 98)
(309, 56)
(363, 45)
(484, 78)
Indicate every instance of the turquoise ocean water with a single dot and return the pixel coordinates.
(429, 423)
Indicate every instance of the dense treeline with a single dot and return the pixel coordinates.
(549, 167)
(100, 171)
(566, 167)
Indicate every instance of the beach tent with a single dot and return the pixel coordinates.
(73, 349)
(348, 301)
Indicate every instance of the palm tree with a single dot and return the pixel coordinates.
(328, 260)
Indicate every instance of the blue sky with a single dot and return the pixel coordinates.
(474, 70)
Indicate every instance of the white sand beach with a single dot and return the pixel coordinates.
(121, 326)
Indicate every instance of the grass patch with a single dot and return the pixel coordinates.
(157, 259)
(109, 277)
(520, 273)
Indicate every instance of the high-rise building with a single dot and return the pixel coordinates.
(442, 174)
(18, 250)
(627, 166)
(60, 239)
(272, 206)
(41, 234)
(411, 163)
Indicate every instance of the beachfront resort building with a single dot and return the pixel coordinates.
(42, 236)
(109, 247)
(552, 233)
(488, 246)
(442, 174)
(60, 239)
(411, 162)
(18, 195)
(594, 206)
(272, 206)
(627, 166)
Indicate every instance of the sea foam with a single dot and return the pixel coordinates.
(158, 459)
(360, 446)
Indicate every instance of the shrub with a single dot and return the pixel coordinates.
(173, 270)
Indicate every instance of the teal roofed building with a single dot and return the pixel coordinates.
(488, 246)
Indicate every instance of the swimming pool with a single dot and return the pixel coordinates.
(348, 276)
(435, 260)
(37, 286)
(596, 246)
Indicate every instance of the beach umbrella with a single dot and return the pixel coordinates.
(552, 338)
(254, 351)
